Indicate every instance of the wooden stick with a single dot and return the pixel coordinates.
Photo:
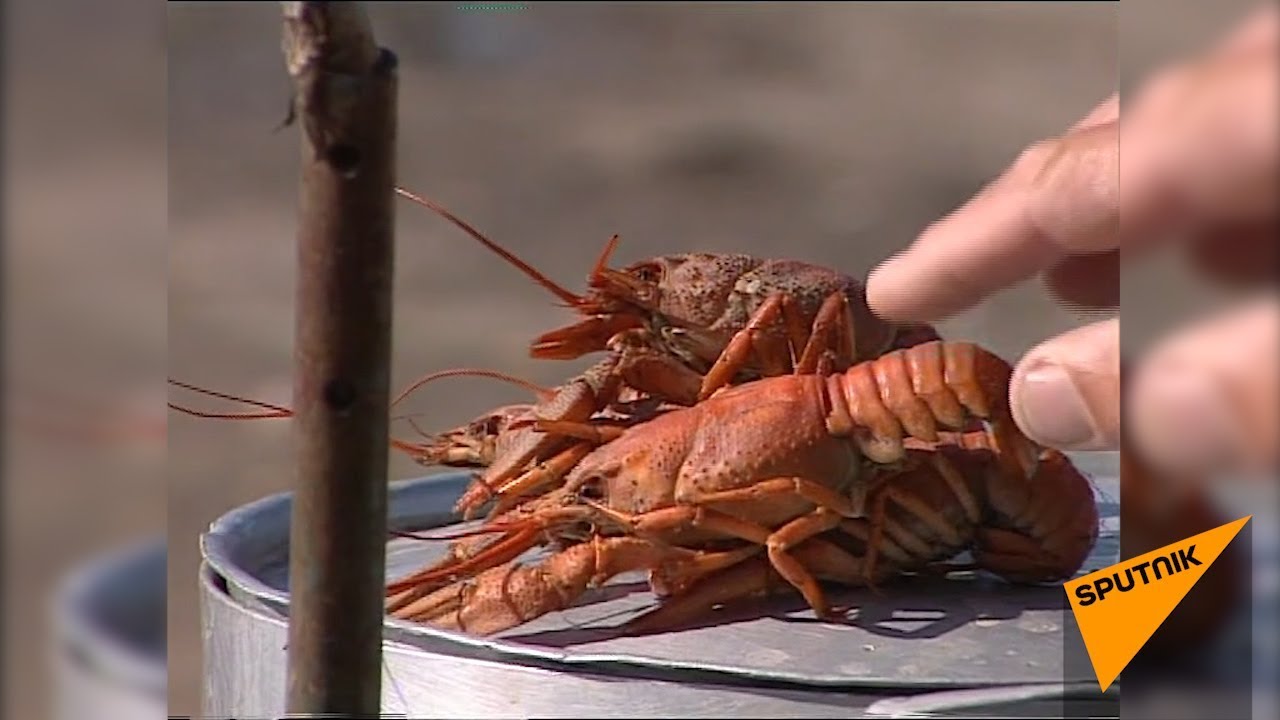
(345, 101)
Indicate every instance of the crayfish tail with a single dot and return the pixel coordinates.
(922, 390)
(1042, 527)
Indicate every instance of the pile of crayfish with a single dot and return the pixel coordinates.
(752, 428)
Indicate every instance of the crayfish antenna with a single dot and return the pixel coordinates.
(413, 424)
(602, 262)
(488, 528)
(268, 410)
(417, 450)
(568, 296)
(542, 393)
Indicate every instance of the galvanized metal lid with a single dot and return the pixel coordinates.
(959, 632)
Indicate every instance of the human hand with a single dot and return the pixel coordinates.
(1201, 165)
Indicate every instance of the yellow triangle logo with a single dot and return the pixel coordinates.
(1119, 607)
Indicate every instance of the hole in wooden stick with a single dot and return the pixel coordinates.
(339, 394)
(344, 158)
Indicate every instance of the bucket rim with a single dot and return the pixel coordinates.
(80, 630)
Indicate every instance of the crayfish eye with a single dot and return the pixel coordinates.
(648, 273)
(592, 489)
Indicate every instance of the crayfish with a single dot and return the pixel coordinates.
(789, 476)
(677, 328)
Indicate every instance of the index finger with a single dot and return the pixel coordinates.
(1058, 199)
(1061, 197)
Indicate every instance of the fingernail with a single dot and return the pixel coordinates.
(1051, 410)
(1186, 422)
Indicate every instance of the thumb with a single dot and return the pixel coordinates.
(1204, 401)
(1065, 393)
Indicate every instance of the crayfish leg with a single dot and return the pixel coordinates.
(539, 477)
(658, 374)
(1017, 557)
(832, 509)
(754, 339)
(832, 332)
(924, 496)
(510, 595)
(752, 578)
(676, 578)
(594, 433)
(576, 401)
(875, 539)
(407, 590)
(780, 545)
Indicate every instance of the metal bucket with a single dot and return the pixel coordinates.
(977, 634)
(110, 644)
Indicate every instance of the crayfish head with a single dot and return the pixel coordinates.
(687, 290)
(477, 443)
(616, 301)
(678, 298)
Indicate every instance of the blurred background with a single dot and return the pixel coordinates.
(830, 133)
(84, 280)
